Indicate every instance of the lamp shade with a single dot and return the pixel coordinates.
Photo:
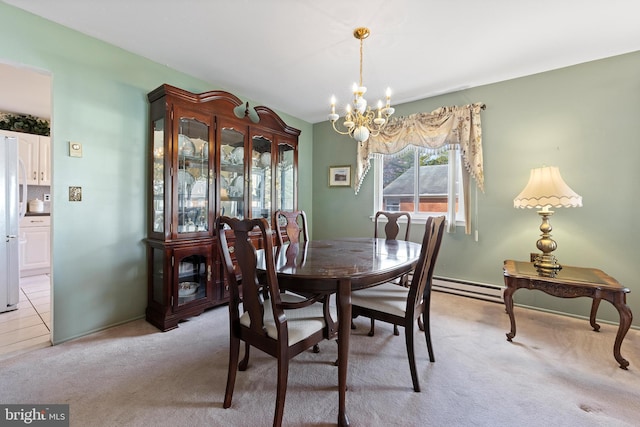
(546, 188)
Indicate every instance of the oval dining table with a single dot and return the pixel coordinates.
(340, 266)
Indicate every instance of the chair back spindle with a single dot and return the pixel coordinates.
(294, 228)
(392, 227)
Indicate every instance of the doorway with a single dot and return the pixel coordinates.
(27, 91)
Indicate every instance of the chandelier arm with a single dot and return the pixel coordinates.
(347, 132)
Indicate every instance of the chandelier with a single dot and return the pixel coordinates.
(360, 121)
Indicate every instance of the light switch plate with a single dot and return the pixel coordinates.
(75, 149)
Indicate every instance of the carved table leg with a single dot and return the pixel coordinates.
(508, 304)
(625, 322)
(594, 311)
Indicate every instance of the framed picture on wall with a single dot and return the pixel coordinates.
(340, 176)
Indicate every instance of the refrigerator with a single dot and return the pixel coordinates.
(11, 210)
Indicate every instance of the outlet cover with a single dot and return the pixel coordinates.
(47, 197)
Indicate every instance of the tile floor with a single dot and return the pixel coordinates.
(28, 327)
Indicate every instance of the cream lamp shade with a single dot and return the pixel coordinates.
(545, 189)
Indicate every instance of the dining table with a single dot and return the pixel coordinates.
(340, 266)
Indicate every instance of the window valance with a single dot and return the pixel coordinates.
(446, 126)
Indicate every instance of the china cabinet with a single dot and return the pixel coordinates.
(209, 155)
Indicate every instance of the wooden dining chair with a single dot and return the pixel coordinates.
(282, 329)
(391, 231)
(402, 306)
(293, 228)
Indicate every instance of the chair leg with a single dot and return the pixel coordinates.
(408, 337)
(283, 373)
(427, 332)
(245, 361)
(372, 330)
(234, 353)
(396, 332)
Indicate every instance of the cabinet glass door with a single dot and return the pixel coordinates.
(157, 274)
(232, 170)
(261, 177)
(157, 216)
(193, 175)
(285, 188)
(193, 273)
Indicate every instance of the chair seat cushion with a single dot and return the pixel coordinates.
(301, 322)
(387, 298)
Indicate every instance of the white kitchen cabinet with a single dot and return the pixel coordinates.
(44, 160)
(35, 245)
(35, 153)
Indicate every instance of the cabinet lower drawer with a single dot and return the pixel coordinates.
(35, 245)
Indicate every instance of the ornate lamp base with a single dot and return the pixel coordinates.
(546, 244)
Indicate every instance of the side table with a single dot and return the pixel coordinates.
(570, 282)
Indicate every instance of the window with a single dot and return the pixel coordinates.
(420, 181)
(456, 129)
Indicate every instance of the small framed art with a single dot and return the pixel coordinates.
(340, 176)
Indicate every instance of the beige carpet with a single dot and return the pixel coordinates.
(557, 372)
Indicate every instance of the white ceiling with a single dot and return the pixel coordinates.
(292, 55)
(25, 91)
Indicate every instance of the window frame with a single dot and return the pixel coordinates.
(454, 174)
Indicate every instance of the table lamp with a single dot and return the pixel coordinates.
(546, 189)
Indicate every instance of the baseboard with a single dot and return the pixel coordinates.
(483, 291)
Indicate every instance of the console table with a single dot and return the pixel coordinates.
(570, 282)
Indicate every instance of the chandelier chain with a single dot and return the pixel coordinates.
(361, 43)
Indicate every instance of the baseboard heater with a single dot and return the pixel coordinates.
(469, 289)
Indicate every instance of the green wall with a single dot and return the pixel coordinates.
(583, 119)
(99, 99)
